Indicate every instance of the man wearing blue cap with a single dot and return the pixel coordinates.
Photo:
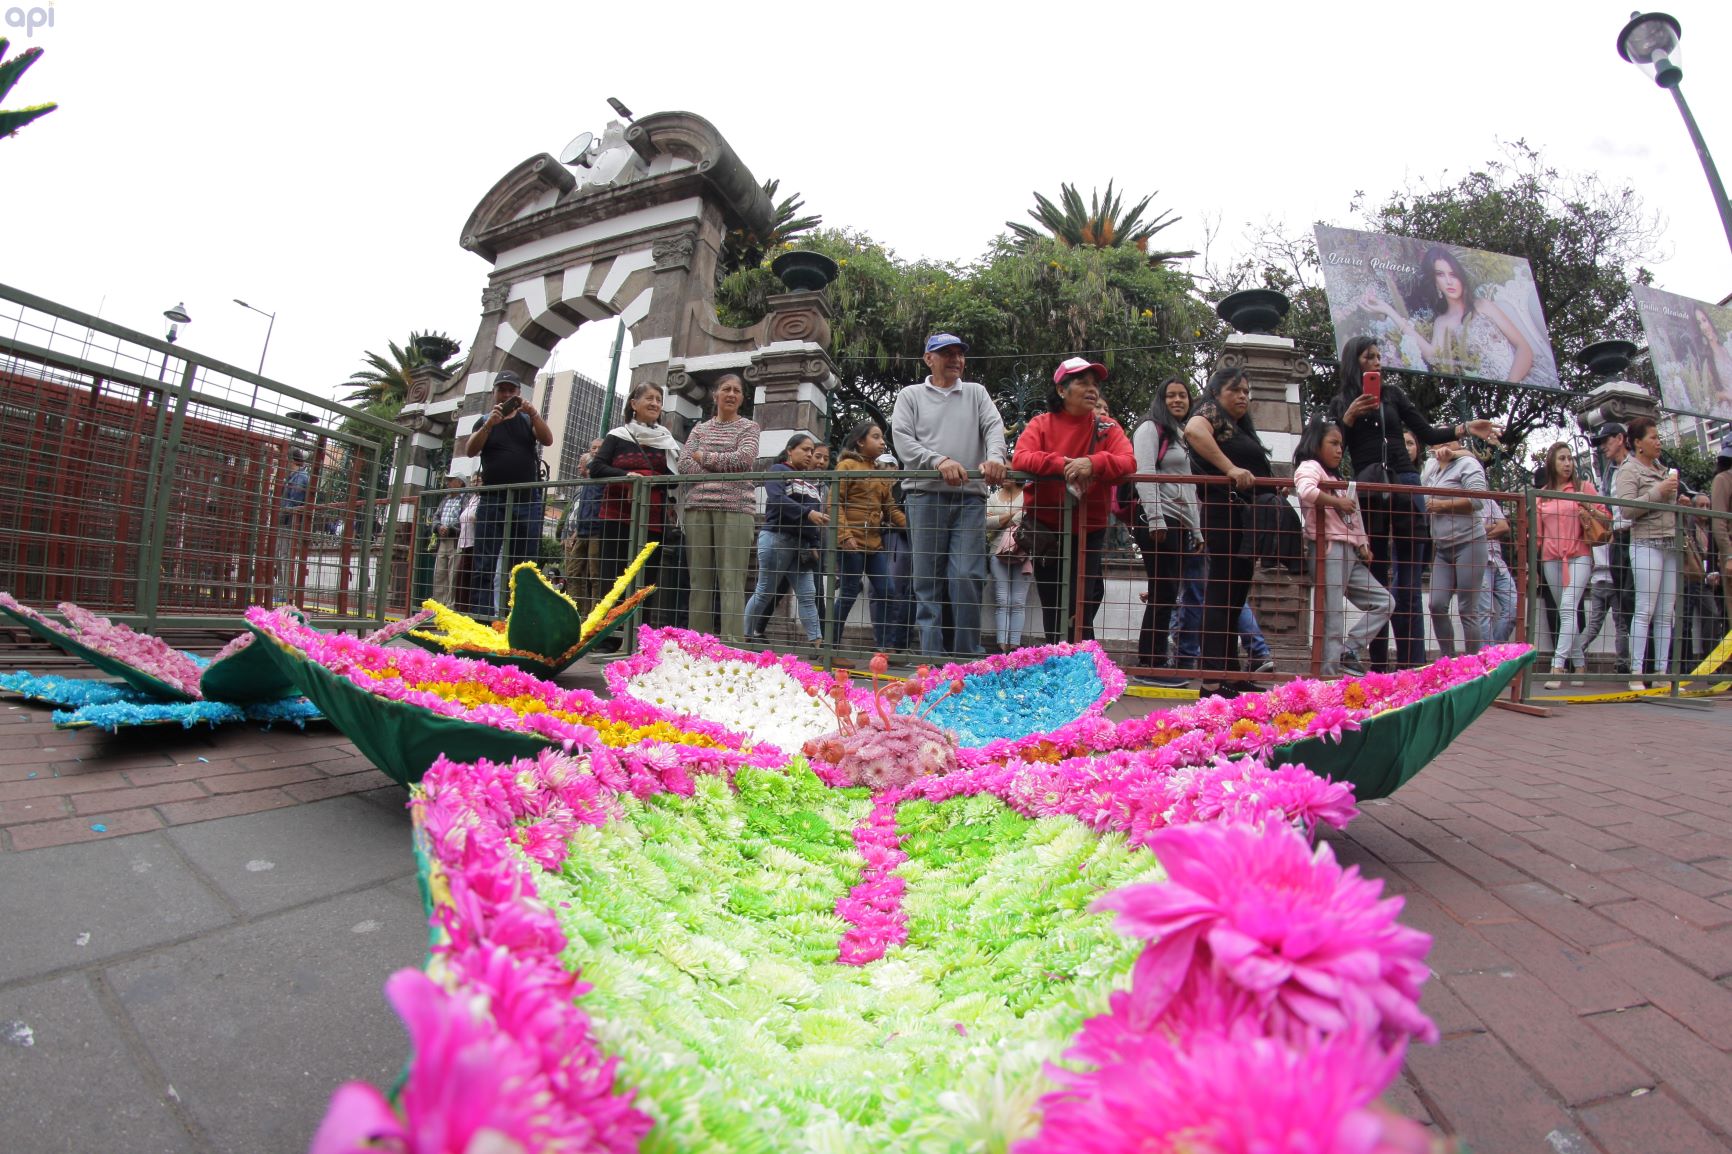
(950, 425)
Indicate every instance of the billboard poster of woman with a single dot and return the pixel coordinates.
(1690, 343)
(1437, 308)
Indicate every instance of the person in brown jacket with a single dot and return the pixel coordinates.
(865, 507)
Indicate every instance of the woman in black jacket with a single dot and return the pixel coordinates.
(1223, 442)
(788, 543)
(1395, 521)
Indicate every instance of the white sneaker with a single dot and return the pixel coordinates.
(1554, 683)
(1639, 685)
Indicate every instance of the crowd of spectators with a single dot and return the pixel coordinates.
(986, 526)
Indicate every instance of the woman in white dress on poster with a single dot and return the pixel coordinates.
(1470, 336)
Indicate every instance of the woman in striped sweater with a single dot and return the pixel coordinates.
(718, 512)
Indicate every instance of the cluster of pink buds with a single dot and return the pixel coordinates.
(890, 748)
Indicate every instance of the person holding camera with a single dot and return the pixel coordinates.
(509, 444)
(1372, 419)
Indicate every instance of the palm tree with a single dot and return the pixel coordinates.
(386, 379)
(743, 248)
(1103, 223)
(11, 120)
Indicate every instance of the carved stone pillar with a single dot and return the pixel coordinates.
(1280, 601)
(791, 375)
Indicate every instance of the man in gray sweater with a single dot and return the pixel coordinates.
(951, 425)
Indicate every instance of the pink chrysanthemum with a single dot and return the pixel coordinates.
(1311, 946)
(1218, 1094)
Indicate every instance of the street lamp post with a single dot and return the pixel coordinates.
(177, 316)
(268, 330)
(1650, 42)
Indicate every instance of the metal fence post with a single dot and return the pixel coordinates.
(162, 476)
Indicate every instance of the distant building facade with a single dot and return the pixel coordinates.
(572, 405)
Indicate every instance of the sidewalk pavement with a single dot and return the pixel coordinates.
(200, 974)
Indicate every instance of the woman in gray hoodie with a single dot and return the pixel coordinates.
(1458, 542)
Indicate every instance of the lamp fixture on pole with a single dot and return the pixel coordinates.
(268, 330)
(177, 316)
(1650, 42)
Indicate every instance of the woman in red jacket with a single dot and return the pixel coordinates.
(1079, 456)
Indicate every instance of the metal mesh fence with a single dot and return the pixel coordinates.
(1260, 587)
(155, 484)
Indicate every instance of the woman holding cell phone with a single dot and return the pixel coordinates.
(1372, 415)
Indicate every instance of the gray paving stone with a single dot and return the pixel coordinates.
(75, 1086)
(126, 893)
(256, 1025)
(284, 857)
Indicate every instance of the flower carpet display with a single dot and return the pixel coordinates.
(158, 684)
(788, 701)
(403, 708)
(543, 631)
(1085, 937)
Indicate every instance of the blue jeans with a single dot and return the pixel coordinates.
(1188, 612)
(898, 578)
(857, 565)
(1400, 539)
(522, 542)
(947, 533)
(1187, 621)
(779, 560)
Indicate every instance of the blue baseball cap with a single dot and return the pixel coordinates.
(943, 341)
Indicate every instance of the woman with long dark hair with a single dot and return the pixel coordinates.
(1396, 525)
(1169, 532)
(1709, 362)
(1566, 558)
(1223, 442)
(1079, 456)
(1653, 546)
(1468, 335)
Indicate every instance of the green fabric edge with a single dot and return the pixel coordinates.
(544, 668)
(246, 676)
(1386, 751)
(137, 678)
(541, 620)
(400, 739)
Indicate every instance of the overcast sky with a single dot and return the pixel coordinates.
(319, 160)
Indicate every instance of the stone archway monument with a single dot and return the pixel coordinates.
(632, 229)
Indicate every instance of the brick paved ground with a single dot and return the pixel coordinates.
(1575, 872)
(1576, 875)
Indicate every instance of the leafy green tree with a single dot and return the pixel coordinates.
(744, 248)
(1022, 307)
(1102, 223)
(11, 120)
(1586, 242)
(385, 381)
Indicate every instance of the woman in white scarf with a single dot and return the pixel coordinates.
(639, 448)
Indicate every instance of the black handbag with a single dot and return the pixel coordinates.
(1038, 542)
(1280, 541)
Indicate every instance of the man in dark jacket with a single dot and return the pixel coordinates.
(509, 444)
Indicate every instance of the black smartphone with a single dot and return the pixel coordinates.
(510, 405)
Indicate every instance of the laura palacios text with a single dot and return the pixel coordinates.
(30, 19)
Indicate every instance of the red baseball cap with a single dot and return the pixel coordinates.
(1075, 365)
